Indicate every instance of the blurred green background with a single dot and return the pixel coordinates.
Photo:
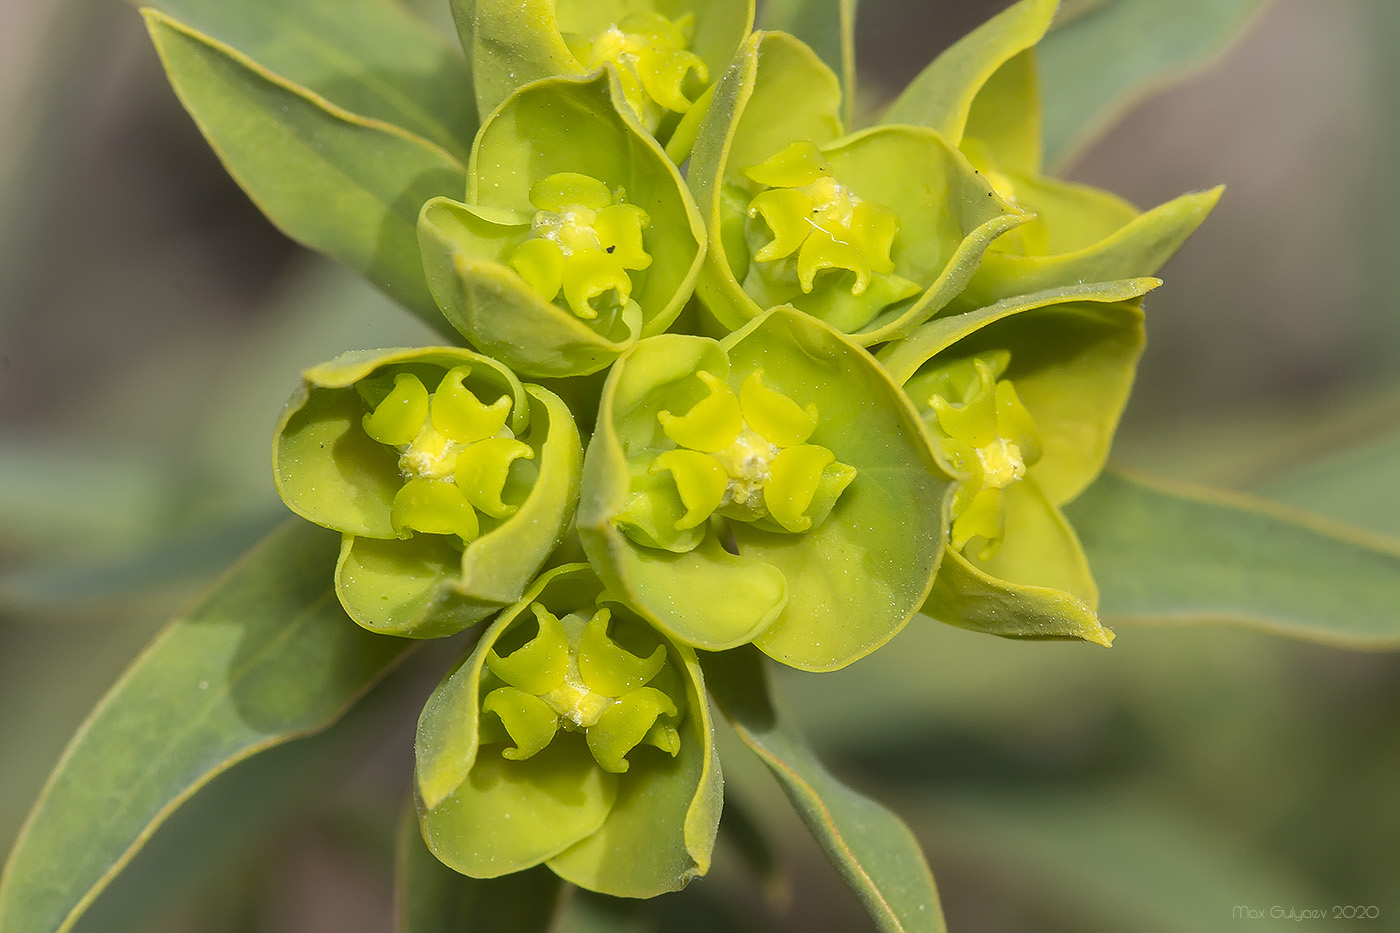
(152, 324)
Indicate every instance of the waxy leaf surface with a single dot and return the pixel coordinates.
(266, 656)
(370, 57)
(429, 897)
(1098, 65)
(829, 29)
(346, 185)
(1176, 554)
(873, 850)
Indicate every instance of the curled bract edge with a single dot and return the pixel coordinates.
(872, 232)
(774, 487)
(982, 95)
(450, 481)
(1021, 400)
(576, 736)
(577, 238)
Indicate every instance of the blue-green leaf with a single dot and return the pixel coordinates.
(371, 57)
(346, 185)
(267, 656)
(1353, 483)
(1096, 66)
(873, 850)
(1174, 553)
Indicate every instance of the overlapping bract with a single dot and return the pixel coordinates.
(819, 536)
(574, 735)
(450, 480)
(833, 377)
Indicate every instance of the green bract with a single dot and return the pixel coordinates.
(1021, 399)
(450, 480)
(577, 736)
(982, 95)
(666, 52)
(773, 487)
(872, 232)
(578, 237)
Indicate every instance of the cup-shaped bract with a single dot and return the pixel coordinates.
(1021, 400)
(577, 736)
(578, 236)
(872, 233)
(667, 53)
(982, 95)
(450, 480)
(774, 487)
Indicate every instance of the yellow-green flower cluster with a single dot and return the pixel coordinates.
(828, 377)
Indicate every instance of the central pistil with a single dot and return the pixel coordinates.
(430, 455)
(746, 462)
(1002, 463)
(578, 705)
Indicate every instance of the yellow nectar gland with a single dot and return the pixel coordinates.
(986, 439)
(745, 456)
(455, 454)
(583, 242)
(573, 676)
(653, 59)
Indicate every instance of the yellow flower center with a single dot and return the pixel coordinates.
(653, 59)
(584, 240)
(455, 454)
(573, 675)
(984, 436)
(817, 244)
(743, 456)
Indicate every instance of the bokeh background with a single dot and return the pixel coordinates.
(152, 323)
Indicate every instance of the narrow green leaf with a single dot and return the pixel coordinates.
(1351, 482)
(432, 898)
(1098, 64)
(829, 30)
(371, 57)
(873, 850)
(267, 656)
(222, 834)
(190, 556)
(1183, 554)
(57, 492)
(343, 184)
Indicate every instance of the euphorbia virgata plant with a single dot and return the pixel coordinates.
(731, 377)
